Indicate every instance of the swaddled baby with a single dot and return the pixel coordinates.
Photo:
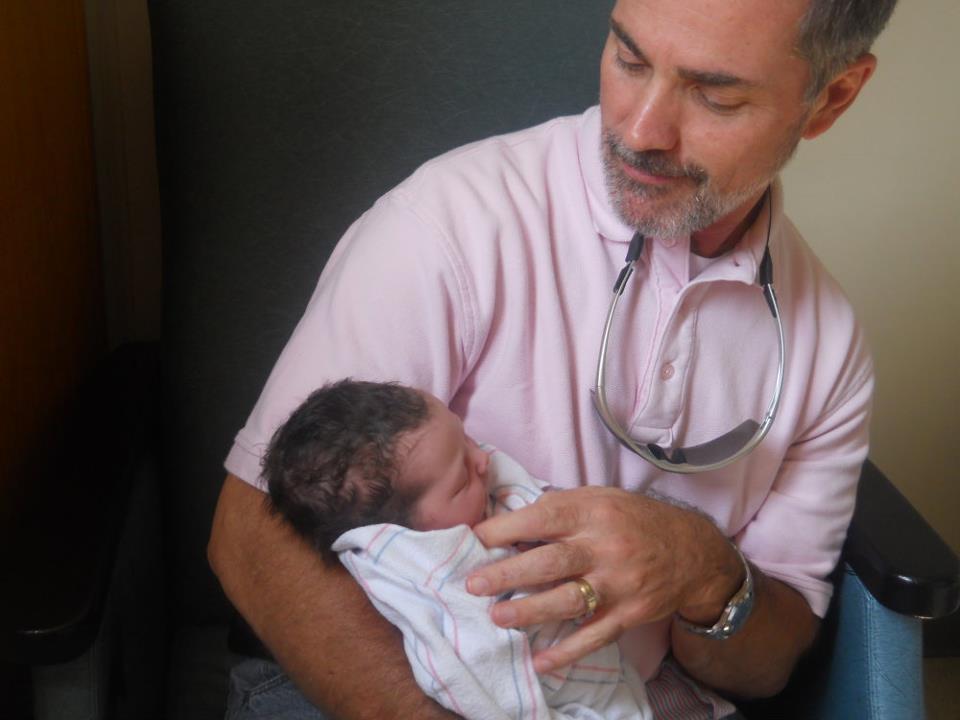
(385, 476)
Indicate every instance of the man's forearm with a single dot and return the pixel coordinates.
(758, 660)
(344, 657)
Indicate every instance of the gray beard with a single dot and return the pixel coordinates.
(688, 214)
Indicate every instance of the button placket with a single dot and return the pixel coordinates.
(660, 392)
(665, 400)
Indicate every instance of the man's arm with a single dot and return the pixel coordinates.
(757, 660)
(344, 657)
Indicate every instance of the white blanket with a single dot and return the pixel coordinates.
(459, 657)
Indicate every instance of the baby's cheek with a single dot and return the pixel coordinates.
(481, 513)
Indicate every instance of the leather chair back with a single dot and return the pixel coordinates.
(279, 123)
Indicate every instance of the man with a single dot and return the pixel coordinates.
(482, 279)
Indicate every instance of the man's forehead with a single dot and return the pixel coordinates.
(713, 78)
(741, 38)
(784, 13)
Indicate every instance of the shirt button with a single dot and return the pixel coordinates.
(667, 371)
(668, 241)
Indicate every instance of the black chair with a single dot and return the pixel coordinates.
(278, 124)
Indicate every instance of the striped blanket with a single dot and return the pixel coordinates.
(458, 656)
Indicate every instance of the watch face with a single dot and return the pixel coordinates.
(737, 613)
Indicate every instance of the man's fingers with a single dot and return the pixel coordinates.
(552, 517)
(542, 565)
(565, 601)
(592, 636)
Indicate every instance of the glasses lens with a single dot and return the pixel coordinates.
(711, 452)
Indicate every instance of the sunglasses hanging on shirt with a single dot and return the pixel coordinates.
(726, 448)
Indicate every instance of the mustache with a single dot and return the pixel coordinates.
(654, 162)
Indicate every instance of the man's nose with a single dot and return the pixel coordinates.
(654, 123)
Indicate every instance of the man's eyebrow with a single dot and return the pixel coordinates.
(715, 79)
(618, 30)
(701, 77)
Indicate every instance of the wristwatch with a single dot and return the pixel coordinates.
(734, 615)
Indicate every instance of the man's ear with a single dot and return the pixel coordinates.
(836, 97)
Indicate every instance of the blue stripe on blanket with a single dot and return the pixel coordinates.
(400, 531)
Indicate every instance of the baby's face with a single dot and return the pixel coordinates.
(448, 469)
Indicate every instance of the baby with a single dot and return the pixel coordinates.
(385, 477)
(361, 453)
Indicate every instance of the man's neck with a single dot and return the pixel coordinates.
(723, 235)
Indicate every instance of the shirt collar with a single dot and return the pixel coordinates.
(743, 262)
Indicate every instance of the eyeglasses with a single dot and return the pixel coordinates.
(722, 450)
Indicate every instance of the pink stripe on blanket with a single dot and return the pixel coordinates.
(529, 674)
(449, 557)
(436, 676)
(374, 539)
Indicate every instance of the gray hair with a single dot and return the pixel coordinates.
(834, 33)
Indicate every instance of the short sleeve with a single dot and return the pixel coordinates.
(392, 304)
(799, 531)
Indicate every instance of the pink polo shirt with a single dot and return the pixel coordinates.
(485, 278)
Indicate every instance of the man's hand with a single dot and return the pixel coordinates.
(645, 559)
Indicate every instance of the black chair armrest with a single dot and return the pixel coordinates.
(901, 560)
(58, 553)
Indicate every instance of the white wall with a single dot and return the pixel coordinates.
(878, 198)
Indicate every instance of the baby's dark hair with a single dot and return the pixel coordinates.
(331, 466)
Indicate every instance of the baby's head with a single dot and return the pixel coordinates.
(359, 453)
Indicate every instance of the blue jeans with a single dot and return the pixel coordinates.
(260, 690)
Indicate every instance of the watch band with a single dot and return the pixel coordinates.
(734, 615)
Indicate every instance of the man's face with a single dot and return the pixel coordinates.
(702, 102)
(446, 470)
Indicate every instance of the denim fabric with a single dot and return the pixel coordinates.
(260, 690)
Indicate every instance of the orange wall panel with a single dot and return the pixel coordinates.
(51, 296)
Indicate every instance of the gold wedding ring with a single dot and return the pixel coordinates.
(589, 595)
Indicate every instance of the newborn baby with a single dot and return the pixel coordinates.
(385, 476)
